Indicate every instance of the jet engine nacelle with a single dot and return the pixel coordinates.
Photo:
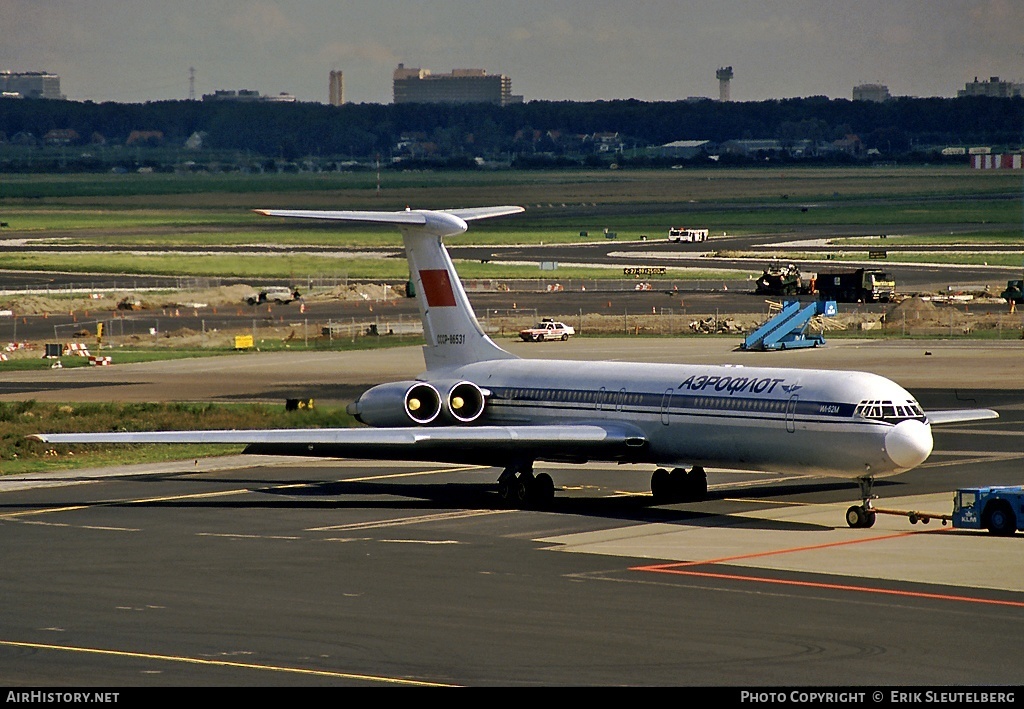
(463, 401)
(408, 403)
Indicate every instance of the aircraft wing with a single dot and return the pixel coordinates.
(937, 418)
(478, 444)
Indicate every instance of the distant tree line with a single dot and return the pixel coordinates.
(532, 133)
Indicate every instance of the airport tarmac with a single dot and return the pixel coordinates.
(259, 571)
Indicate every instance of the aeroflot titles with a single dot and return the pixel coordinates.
(736, 384)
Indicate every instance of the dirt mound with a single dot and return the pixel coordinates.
(915, 308)
(140, 300)
(221, 295)
(364, 291)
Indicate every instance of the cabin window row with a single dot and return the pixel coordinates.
(575, 396)
(618, 398)
(759, 405)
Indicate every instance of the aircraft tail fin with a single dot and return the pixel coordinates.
(453, 334)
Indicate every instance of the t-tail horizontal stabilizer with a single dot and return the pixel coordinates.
(453, 334)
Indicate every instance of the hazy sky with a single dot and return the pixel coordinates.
(578, 50)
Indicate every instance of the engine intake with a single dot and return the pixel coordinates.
(408, 403)
(465, 401)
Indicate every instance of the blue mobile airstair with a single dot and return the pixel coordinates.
(788, 329)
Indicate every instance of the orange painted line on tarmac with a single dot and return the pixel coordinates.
(776, 552)
(684, 569)
(834, 586)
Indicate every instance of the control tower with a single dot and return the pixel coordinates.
(724, 75)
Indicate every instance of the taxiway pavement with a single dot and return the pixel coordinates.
(249, 571)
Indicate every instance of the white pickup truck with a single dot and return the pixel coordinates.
(273, 294)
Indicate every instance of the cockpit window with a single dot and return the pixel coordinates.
(892, 411)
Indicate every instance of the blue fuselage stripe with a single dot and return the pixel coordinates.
(576, 400)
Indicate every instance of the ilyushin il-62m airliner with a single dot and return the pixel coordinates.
(477, 403)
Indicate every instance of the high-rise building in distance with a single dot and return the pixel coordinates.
(992, 87)
(30, 84)
(336, 88)
(414, 85)
(871, 92)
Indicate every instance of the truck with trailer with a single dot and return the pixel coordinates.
(997, 508)
(864, 285)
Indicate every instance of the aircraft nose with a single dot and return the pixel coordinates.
(909, 443)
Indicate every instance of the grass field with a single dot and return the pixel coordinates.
(434, 189)
(123, 211)
(19, 453)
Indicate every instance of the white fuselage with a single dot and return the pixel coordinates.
(837, 423)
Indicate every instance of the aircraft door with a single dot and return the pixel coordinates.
(666, 403)
(791, 413)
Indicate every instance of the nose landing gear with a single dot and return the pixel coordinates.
(862, 516)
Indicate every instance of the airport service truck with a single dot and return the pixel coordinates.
(997, 508)
(273, 294)
(678, 233)
(785, 280)
(865, 285)
(1014, 292)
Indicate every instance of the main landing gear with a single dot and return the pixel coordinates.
(679, 485)
(862, 516)
(518, 486)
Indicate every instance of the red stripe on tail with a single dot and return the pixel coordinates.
(437, 287)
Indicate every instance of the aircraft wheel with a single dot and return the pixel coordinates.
(679, 482)
(521, 488)
(860, 518)
(505, 486)
(697, 483)
(661, 486)
(1001, 519)
(542, 491)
